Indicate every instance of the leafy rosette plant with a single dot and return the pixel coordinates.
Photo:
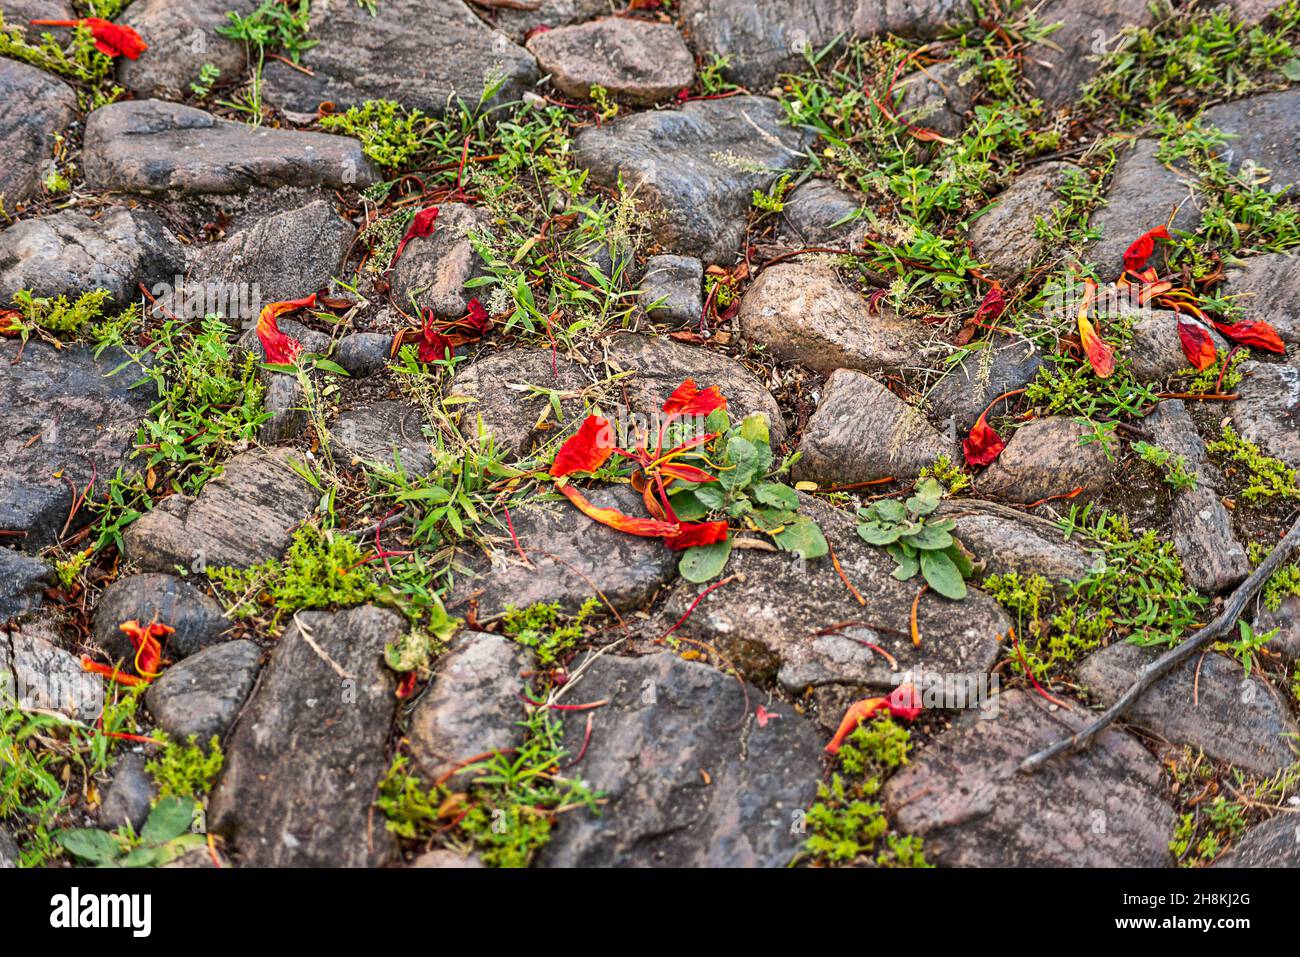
(918, 542)
(694, 486)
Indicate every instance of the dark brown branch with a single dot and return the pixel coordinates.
(1149, 675)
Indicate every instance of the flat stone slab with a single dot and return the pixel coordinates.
(183, 38)
(472, 706)
(384, 433)
(285, 256)
(152, 147)
(1010, 541)
(804, 312)
(569, 557)
(154, 596)
(1004, 236)
(244, 516)
(1275, 843)
(68, 253)
(202, 695)
(1268, 412)
(634, 60)
(690, 779)
(35, 109)
(1264, 130)
(1232, 718)
(1103, 807)
(764, 40)
(1057, 68)
(22, 582)
(305, 759)
(1267, 288)
(967, 389)
(433, 269)
(37, 674)
(20, 13)
(861, 432)
(1046, 458)
(766, 620)
(63, 416)
(1143, 194)
(423, 54)
(695, 169)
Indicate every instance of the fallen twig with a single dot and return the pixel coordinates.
(1149, 675)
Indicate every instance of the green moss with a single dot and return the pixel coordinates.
(847, 821)
(59, 316)
(185, 770)
(1265, 478)
(948, 474)
(542, 628)
(1282, 584)
(322, 569)
(390, 134)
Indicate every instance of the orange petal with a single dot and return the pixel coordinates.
(644, 527)
(858, 712)
(687, 473)
(689, 399)
(1257, 333)
(586, 450)
(1197, 345)
(113, 674)
(1100, 355)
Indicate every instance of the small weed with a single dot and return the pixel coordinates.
(185, 770)
(390, 134)
(1203, 834)
(917, 541)
(540, 627)
(1261, 477)
(948, 474)
(1172, 468)
(166, 835)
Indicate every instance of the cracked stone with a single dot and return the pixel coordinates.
(1007, 540)
(1103, 807)
(316, 726)
(1207, 703)
(814, 214)
(130, 794)
(35, 110)
(385, 433)
(676, 284)
(694, 170)
(634, 60)
(861, 432)
(41, 675)
(201, 696)
(22, 584)
(1266, 412)
(1263, 130)
(1004, 235)
(242, 517)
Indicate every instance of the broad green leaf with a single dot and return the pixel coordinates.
(927, 497)
(687, 506)
(776, 495)
(755, 429)
(170, 818)
(889, 510)
(742, 456)
(874, 534)
(703, 562)
(711, 496)
(89, 844)
(929, 538)
(908, 566)
(942, 575)
(804, 538)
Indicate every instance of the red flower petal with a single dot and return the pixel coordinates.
(689, 399)
(478, 315)
(421, 227)
(687, 473)
(644, 527)
(983, 445)
(903, 702)
(1140, 250)
(1197, 344)
(1100, 355)
(111, 39)
(144, 639)
(993, 305)
(407, 684)
(1257, 333)
(586, 450)
(697, 533)
(280, 348)
(113, 674)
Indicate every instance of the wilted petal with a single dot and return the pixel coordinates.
(280, 349)
(993, 305)
(421, 226)
(113, 674)
(1257, 333)
(1140, 250)
(1197, 344)
(697, 533)
(586, 450)
(983, 445)
(904, 702)
(111, 39)
(644, 527)
(687, 473)
(1100, 355)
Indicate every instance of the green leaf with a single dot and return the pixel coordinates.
(330, 366)
(776, 495)
(942, 575)
(687, 506)
(889, 510)
(711, 496)
(755, 429)
(930, 538)
(874, 534)
(803, 538)
(908, 566)
(170, 818)
(929, 493)
(742, 456)
(718, 421)
(703, 562)
(1291, 69)
(89, 844)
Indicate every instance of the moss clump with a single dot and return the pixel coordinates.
(390, 134)
(1265, 477)
(847, 822)
(321, 570)
(185, 770)
(542, 628)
